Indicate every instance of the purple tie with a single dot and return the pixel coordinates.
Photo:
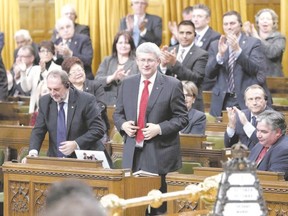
(61, 128)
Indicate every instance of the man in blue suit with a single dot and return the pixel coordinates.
(271, 153)
(71, 44)
(236, 61)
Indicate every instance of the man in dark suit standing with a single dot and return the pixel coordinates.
(242, 123)
(153, 146)
(201, 16)
(69, 11)
(186, 61)
(271, 153)
(237, 62)
(72, 44)
(84, 126)
(143, 26)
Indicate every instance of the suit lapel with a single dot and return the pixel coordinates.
(71, 108)
(134, 97)
(157, 88)
(189, 55)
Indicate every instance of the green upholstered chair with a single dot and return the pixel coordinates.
(118, 163)
(187, 167)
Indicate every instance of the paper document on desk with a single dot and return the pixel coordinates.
(144, 173)
(93, 155)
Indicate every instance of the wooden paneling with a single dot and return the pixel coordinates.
(38, 17)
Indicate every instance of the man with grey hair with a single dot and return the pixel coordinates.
(69, 11)
(70, 44)
(150, 117)
(23, 38)
(271, 153)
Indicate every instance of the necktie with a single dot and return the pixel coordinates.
(261, 155)
(181, 56)
(254, 122)
(196, 40)
(142, 111)
(61, 128)
(136, 32)
(231, 64)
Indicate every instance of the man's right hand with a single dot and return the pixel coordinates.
(130, 128)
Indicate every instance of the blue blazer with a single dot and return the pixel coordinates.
(276, 159)
(166, 107)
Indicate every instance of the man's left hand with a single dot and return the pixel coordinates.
(151, 131)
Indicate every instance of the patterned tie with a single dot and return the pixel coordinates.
(196, 40)
(231, 64)
(181, 56)
(142, 111)
(61, 128)
(261, 155)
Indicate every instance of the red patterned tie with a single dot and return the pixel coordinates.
(261, 155)
(142, 111)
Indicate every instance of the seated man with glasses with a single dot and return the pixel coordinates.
(242, 123)
(143, 26)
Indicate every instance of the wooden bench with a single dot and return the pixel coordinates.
(14, 113)
(278, 86)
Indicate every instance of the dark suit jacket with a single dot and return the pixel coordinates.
(84, 123)
(154, 29)
(276, 159)
(95, 88)
(249, 69)
(78, 28)
(240, 134)
(193, 69)
(166, 107)
(81, 47)
(207, 39)
(197, 123)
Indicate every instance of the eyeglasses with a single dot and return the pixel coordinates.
(148, 61)
(44, 51)
(23, 56)
(75, 71)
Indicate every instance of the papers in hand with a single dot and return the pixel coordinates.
(144, 173)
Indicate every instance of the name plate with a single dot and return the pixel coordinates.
(241, 179)
(242, 193)
(242, 209)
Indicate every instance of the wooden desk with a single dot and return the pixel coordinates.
(275, 189)
(16, 138)
(26, 185)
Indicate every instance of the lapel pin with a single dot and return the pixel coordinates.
(72, 107)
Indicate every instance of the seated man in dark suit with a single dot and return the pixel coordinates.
(72, 44)
(69, 11)
(242, 123)
(271, 153)
(82, 126)
(186, 61)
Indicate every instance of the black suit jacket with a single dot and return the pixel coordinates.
(166, 107)
(84, 123)
(3, 83)
(81, 47)
(193, 69)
